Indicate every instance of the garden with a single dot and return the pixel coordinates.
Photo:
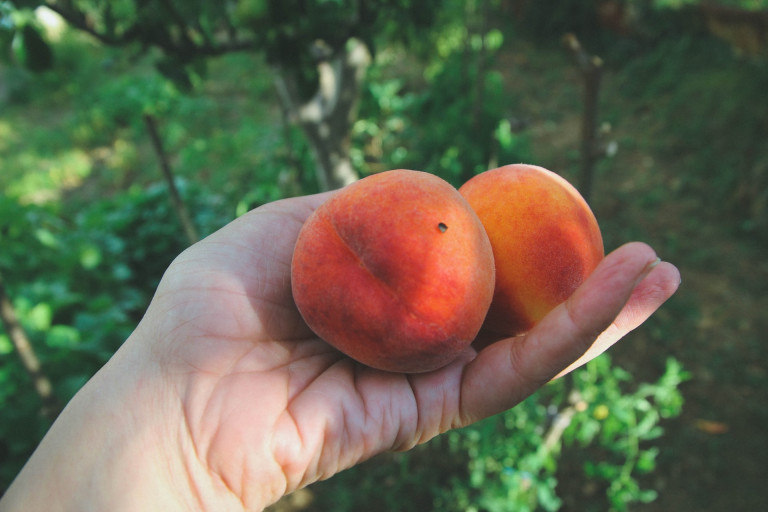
(117, 153)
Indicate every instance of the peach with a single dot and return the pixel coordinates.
(545, 241)
(395, 271)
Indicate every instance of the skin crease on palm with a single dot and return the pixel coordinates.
(223, 399)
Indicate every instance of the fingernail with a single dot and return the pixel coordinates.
(647, 270)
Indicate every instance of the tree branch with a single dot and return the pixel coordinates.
(79, 20)
(140, 32)
(25, 350)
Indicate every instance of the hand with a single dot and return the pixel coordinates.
(233, 402)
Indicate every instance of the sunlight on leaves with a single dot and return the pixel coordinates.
(6, 347)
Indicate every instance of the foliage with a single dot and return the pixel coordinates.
(85, 229)
(600, 412)
(510, 462)
(452, 120)
(297, 37)
(623, 424)
(90, 131)
(79, 286)
(287, 31)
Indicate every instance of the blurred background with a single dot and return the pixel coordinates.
(129, 129)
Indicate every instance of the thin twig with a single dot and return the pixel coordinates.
(178, 204)
(562, 421)
(25, 350)
(564, 417)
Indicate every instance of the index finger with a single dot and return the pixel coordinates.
(615, 299)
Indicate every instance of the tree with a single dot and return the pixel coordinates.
(319, 50)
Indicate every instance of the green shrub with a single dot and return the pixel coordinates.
(79, 287)
(510, 462)
(455, 125)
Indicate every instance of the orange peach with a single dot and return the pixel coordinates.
(545, 241)
(395, 271)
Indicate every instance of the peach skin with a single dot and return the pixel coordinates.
(545, 240)
(395, 271)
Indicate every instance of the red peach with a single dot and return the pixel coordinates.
(395, 271)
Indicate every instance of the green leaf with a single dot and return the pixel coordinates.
(494, 39)
(646, 461)
(6, 347)
(647, 495)
(39, 317)
(62, 336)
(646, 425)
(90, 256)
(250, 11)
(46, 237)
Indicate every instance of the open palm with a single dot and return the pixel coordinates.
(265, 407)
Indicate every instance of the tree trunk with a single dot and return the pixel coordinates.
(327, 117)
(591, 68)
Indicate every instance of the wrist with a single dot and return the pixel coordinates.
(120, 444)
